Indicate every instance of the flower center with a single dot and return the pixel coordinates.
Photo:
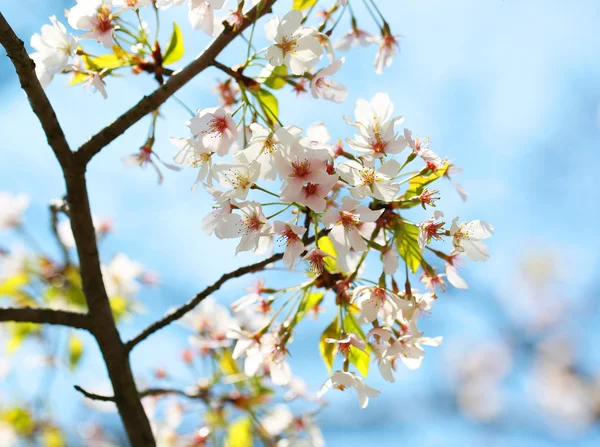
(349, 220)
(218, 125)
(252, 224)
(300, 168)
(287, 44)
(368, 176)
(310, 189)
(104, 20)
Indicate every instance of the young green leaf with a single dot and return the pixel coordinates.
(175, 48)
(407, 243)
(240, 433)
(303, 4)
(326, 349)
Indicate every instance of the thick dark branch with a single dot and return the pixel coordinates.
(45, 316)
(175, 82)
(191, 304)
(163, 391)
(25, 68)
(93, 396)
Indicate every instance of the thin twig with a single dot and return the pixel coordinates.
(93, 396)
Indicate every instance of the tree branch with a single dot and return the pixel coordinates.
(175, 82)
(197, 299)
(25, 68)
(191, 304)
(45, 316)
(93, 396)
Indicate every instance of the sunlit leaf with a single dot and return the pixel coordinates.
(119, 306)
(13, 284)
(326, 245)
(277, 78)
(268, 103)
(240, 433)
(303, 4)
(327, 349)
(228, 364)
(20, 420)
(18, 333)
(407, 236)
(309, 301)
(78, 77)
(52, 437)
(118, 58)
(75, 350)
(358, 358)
(175, 48)
(416, 185)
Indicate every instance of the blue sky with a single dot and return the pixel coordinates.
(510, 90)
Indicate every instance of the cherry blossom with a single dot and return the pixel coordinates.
(132, 4)
(293, 45)
(452, 271)
(369, 182)
(144, 157)
(322, 86)
(251, 226)
(372, 300)
(430, 229)
(388, 47)
(316, 259)
(120, 276)
(421, 147)
(341, 380)
(215, 129)
(193, 154)
(54, 47)
(215, 221)
(291, 234)
(350, 225)
(344, 344)
(265, 146)
(312, 194)
(467, 238)
(95, 17)
(355, 38)
(377, 137)
(239, 176)
(12, 208)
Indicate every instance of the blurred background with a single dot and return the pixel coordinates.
(509, 90)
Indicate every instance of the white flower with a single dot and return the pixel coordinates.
(202, 16)
(164, 4)
(421, 147)
(292, 235)
(377, 137)
(430, 229)
(312, 194)
(355, 38)
(452, 271)
(54, 48)
(343, 345)
(468, 237)
(95, 17)
(293, 45)
(251, 226)
(240, 176)
(132, 4)
(372, 300)
(210, 321)
(409, 347)
(8, 435)
(193, 154)
(265, 145)
(214, 221)
(341, 380)
(390, 261)
(277, 419)
(95, 80)
(316, 259)
(370, 182)
(12, 209)
(350, 225)
(215, 129)
(264, 353)
(322, 86)
(388, 46)
(120, 276)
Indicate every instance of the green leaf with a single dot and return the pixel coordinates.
(175, 47)
(13, 284)
(309, 301)
(240, 433)
(303, 4)
(20, 420)
(277, 78)
(268, 103)
(53, 437)
(78, 77)
(407, 237)
(358, 358)
(326, 349)
(326, 245)
(18, 333)
(118, 58)
(227, 364)
(75, 351)
(416, 185)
